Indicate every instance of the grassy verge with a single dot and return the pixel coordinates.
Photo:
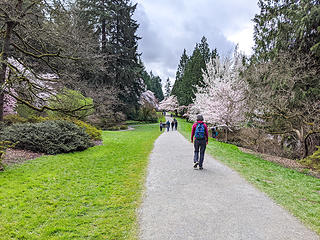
(298, 193)
(86, 195)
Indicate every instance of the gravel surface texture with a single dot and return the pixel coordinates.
(210, 204)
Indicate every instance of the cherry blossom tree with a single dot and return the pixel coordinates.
(148, 98)
(221, 100)
(9, 105)
(169, 104)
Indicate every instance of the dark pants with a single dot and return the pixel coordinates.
(199, 145)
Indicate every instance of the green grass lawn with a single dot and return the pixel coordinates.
(85, 195)
(298, 193)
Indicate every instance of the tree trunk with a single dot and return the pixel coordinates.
(226, 136)
(301, 142)
(3, 58)
(103, 31)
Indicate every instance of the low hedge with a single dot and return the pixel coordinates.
(117, 128)
(51, 137)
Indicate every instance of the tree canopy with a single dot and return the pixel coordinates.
(189, 72)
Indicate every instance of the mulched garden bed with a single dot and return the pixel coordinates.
(16, 156)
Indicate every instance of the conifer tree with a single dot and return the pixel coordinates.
(153, 83)
(189, 72)
(167, 88)
(204, 49)
(176, 89)
(125, 70)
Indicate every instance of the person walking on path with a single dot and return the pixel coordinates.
(172, 125)
(199, 135)
(168, 125)
(175, 124)
(161, 126)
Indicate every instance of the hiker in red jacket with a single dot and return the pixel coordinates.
(200, 135)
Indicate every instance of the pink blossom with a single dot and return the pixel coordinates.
(9, 105)
(222, 99)
(169, 104)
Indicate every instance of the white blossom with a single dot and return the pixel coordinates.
(169, 104)
(221, 100)
(148, 98)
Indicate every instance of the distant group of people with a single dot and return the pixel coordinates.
(173, 124)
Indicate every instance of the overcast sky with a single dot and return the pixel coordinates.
(169, 26)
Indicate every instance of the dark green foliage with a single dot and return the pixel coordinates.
(192, 77)
(189, 72)
(50, 137)
(117, 128)
(124, 71)
(118, 65)
(284, 70)
(177, 88)
(287, 25)
(167, 88)
(153, 84)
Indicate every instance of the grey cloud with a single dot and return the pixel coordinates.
(169, 26)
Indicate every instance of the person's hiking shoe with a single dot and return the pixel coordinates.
(195, 165)
(200, 168)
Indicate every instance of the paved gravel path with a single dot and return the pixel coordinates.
(213, 204)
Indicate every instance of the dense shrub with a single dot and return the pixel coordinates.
(313, 160)
(13, 118)
(37, 119)
(147, 115)
(50, 137)
(107, 120)
(117, 128)
(93, 132)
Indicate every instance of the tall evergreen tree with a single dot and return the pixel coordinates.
(125, 69)
(167, 88)
(116, 33)
(204, 49)
(176, 89)
(189, 72)
(153, 83)
(192, 77)
(286, 25)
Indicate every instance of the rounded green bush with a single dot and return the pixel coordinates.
(93, 132)
(49, 137)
